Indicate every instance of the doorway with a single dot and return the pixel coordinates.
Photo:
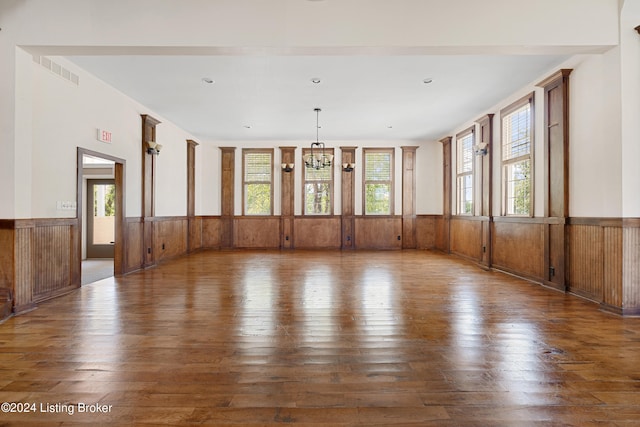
(100, 215)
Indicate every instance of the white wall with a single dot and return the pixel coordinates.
(595, 158)
(66, 116)
(208, 179)
(429, 178)
(223, 26)
(286, 24)
(595, 152)
(630, 114)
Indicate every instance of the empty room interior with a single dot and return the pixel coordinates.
(320, 212)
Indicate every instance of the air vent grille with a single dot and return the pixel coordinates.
(57, 69)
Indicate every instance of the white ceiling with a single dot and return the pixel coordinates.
(360, 95)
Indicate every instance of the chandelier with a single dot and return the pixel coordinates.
(317, 159)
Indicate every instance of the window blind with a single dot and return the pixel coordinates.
(378, 167)
(257, 167)
(516, 131)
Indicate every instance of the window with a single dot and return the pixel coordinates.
(257, 171)
(517, 170)
(318, 188)
(464, 171)
(378, 181)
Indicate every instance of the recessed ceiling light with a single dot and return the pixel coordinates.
(208, 80)
(315, 80)
(427, 80)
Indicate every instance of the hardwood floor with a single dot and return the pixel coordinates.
(320, 338)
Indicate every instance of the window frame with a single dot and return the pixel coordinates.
(328, 151)
(245, 152)
(505, 163)
(391, 182)
(471, 131)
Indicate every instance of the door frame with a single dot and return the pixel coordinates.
(119, 180)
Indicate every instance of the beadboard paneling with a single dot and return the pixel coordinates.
(518, 247)
(314, 232)
(257, 233)
(378, 233)
(211, 232)
(631, 269)
(466, 237)
(6, 258)
(23, 285)
(612, 269)
(426, 231)
(170, 237)
(586, 261)
(134, 247)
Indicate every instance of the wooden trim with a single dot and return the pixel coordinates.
(7, 224)
(191, 177)
(603, 222)
(631, 222)
(167, 218)
(287, 197)
(529, 220)
(555, 78)
(446, 193)
(227, 195)
(469, 218)
(347, 197)
(148, 201)
(44, 222)
(409, 196)
(556, 174)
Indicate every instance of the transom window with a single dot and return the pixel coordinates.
(318, 188)
(257, 171)
(464, 171)
(378, 181)
(517, 147)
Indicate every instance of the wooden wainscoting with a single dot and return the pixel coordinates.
(195, 233)
(39, 259)
(7, 234)
(466, 237)
(170, 237)
(631, 266)
(442, 234)
(511, 254)
(426, 231)
(315, 232)
(211, 232)
(256, 232)
(586, 260)
(378, 232)
(603, 262)
(134, 247)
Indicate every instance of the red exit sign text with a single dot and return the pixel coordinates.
(104, 136)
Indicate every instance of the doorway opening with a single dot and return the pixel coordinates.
(100, 215)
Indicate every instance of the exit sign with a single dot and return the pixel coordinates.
(104, 136)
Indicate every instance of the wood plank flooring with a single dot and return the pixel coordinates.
(259, 338)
